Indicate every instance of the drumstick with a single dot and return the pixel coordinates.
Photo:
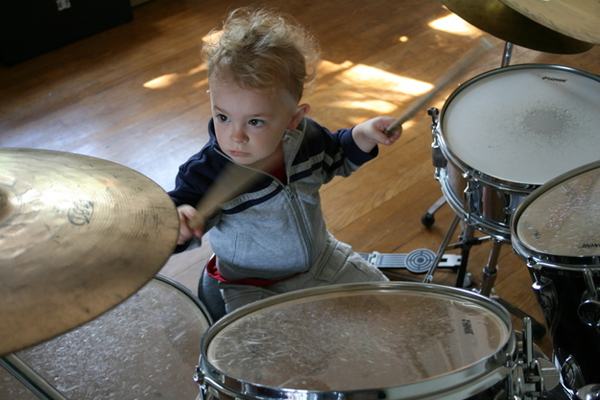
(467, 59)
(232, 181)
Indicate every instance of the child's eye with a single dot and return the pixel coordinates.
(223, 118)
(256, 122)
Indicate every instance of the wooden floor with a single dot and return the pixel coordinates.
(135, 95)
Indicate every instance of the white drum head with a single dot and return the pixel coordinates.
(525, 124)
(358, 339)
(564, 218)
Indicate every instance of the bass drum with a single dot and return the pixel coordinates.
(145, 348)
(363, 341)
(556, 230)
(506, 132)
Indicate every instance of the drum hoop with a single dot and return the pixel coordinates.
(456, 387)
(487, 371)
(188, 293)
(573, 263)
(505, 185)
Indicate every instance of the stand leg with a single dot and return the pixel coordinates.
(469, 235)
(491, 271)
(428, 218)
(28, 377)
(489, 277)
(440, 253)
(508, 48)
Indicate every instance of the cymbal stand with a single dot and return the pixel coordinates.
(28, 377)
(468, 238)
(507, 55)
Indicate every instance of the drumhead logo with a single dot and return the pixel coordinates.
(549, 78)
(467, 327)
(590, 245)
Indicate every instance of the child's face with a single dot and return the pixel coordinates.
(250, 124)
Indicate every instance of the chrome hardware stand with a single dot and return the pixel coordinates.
(31, 379)
(463, 279)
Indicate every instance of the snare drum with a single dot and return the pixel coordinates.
(145, 348)
(506, 132)
(375, 340)
(557, 231)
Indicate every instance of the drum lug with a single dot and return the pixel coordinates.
(572, 375)
(439, 161)
(472, 196)
(589, 309)
(544, 289)
(199, 379)
(198, 375)
(589, 392)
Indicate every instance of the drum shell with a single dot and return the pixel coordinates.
(487, 207)
(559, 292)
(491, 377)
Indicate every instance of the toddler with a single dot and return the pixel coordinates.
(272, 238)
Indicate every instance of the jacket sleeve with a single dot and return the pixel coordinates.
(191, 183)
(341, 155)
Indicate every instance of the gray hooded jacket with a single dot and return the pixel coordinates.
(276, 229)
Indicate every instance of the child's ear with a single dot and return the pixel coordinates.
(301, 111)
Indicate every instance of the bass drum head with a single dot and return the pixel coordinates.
(524, 124)
(146, 347)
(414, 339)
(560, 221)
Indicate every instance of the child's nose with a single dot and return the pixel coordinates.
(238, 136)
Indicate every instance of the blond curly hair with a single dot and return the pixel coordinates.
(262, 48)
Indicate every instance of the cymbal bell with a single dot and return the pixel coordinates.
(579, 19)
(497, 19)
(78, 235)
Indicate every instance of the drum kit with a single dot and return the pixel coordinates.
(515, 153)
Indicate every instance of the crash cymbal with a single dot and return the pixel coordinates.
(78, 235)
(579, 19)
(501, 21)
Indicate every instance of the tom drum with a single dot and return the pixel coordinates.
(556, 230)
(504, 133)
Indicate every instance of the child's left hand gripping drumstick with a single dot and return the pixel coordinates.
(233, 180)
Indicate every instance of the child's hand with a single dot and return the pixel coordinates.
(188, 213)
(367, 134)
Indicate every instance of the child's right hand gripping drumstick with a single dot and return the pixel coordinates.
(232, 181)
(467, 59)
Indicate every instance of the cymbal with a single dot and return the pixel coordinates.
(78, 235)
(579, 19)
(501, 21)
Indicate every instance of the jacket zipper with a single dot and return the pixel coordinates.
(293, 197)
(308, 243)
